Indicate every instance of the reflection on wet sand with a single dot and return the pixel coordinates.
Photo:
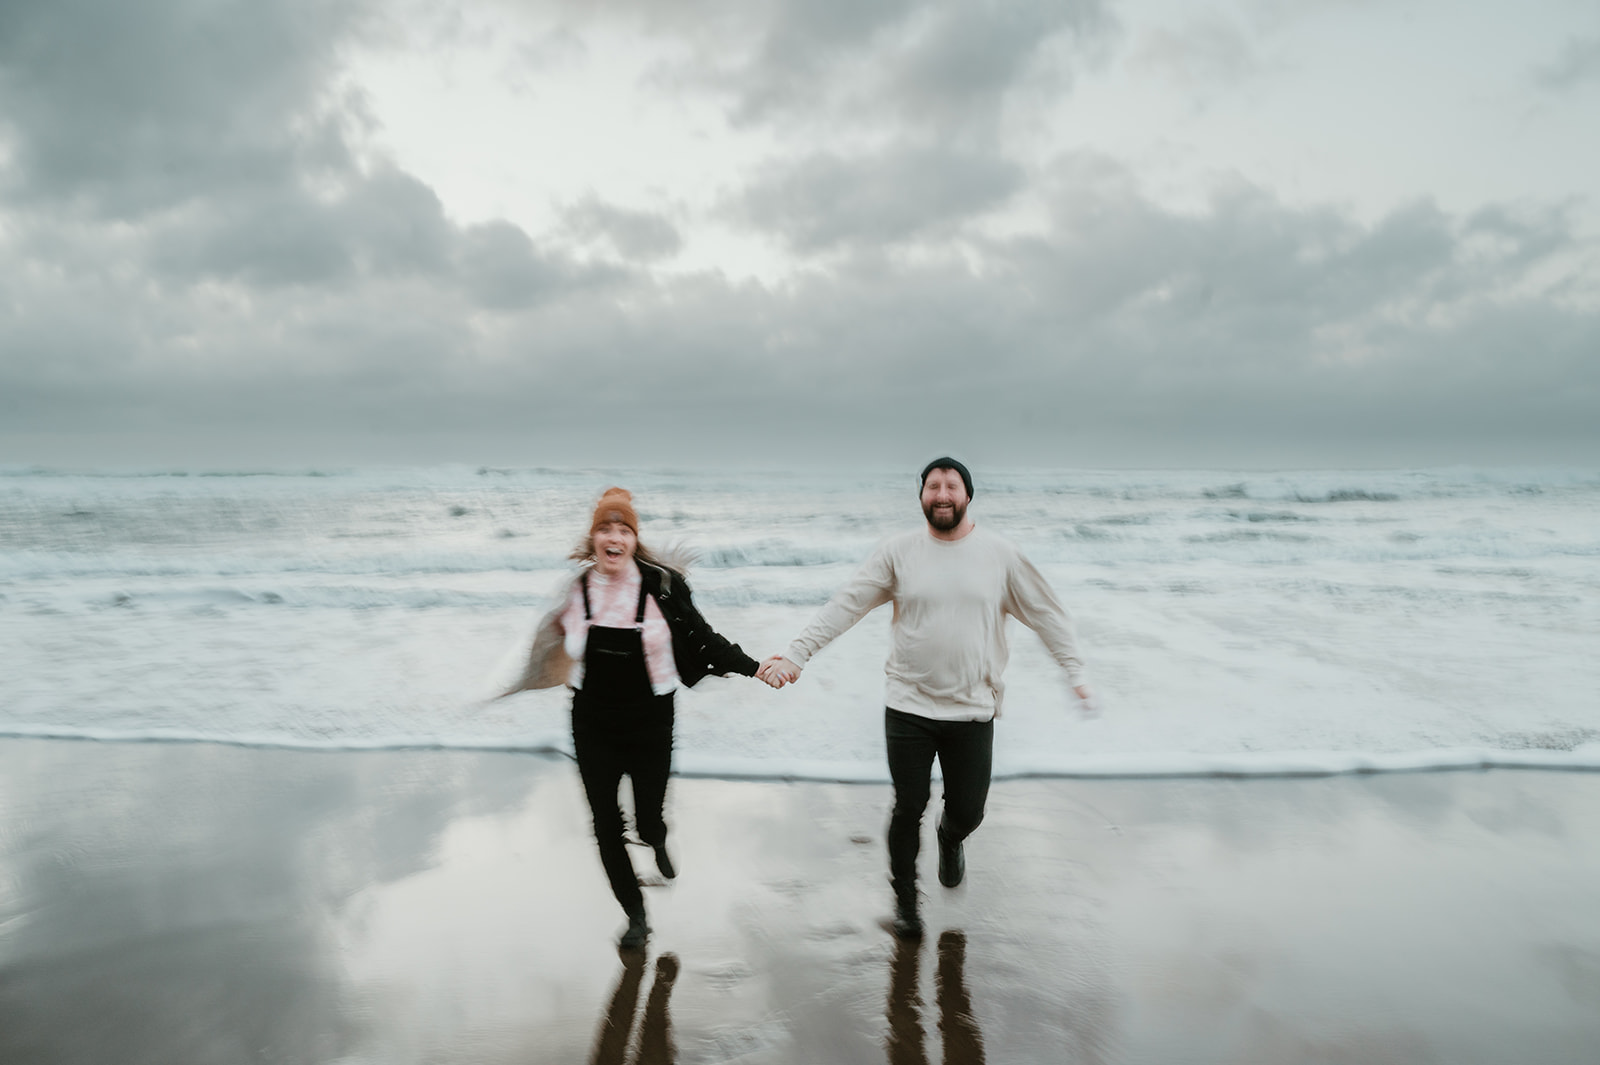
(655, 1035)
(205, 905)
(963, 1044)
(904, 1043)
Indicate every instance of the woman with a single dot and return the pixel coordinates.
(624, 638)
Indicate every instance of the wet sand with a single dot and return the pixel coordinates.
(209, 905)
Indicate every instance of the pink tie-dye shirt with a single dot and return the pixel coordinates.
(614, 603)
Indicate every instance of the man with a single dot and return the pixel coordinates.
(952, 585)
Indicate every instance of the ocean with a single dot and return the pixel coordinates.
(1233, 622)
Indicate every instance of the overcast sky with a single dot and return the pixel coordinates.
(1068, 233)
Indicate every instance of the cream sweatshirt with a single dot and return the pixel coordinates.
(948, 639)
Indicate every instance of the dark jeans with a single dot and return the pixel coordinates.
(965, 750)
(609, 743)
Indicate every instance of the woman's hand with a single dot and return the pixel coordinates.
(778, 671)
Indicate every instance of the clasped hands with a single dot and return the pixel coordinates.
(778, 671)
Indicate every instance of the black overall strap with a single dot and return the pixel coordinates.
(638, 617)
(584, 584)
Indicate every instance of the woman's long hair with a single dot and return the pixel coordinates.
(584, 552)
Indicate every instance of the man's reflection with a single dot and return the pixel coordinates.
(905, 1005)
(655, 1036)
(963, 1045)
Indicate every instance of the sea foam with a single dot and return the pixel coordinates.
(1234, 623)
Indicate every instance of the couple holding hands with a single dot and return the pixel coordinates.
(628, 634)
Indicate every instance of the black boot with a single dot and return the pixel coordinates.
(664, 862)
(638, 931)
(952, 859)
(907, 922)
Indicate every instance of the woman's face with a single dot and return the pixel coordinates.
(614, 544)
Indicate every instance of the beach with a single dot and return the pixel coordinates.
(192, 902)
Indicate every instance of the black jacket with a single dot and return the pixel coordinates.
(697, 649)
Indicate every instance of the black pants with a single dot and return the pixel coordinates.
(965, 750)
(611, 742)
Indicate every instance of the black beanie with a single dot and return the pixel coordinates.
(948, 463)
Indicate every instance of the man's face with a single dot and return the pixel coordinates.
(944, 499)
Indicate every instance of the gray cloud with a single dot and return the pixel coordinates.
(825, 200)
(284, 238)
(1578, 63)
(213, 127)
(958, 70)
(635, 235)
(801, 41)
(241, 280)
(503, 270)
(123, 109)
(1251, 331)
(945, 66)
(1207, 51)
(379, 225)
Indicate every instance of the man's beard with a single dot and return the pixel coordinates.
(943, 523)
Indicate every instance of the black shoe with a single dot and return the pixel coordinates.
(664, 862)
(907, 924)
(638, 931)
(952, 860)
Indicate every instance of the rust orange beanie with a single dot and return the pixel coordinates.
(616, 504)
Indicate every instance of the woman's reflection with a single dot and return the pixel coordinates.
(963, 1045)
(655, 1036)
